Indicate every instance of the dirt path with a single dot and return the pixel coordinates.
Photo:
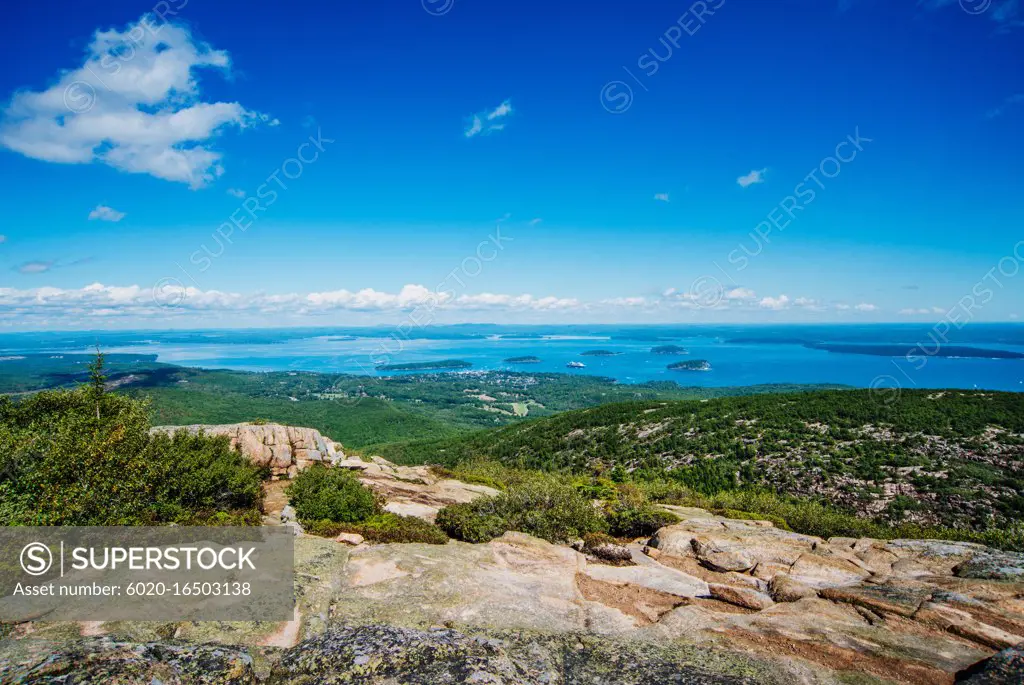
(274, 499)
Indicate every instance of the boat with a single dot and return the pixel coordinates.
(576, 365)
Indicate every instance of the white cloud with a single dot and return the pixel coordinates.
(504, 109)
(34, 267)
(626, 301)
(865, 307)
(104, 213)
(776, 303)
(755, 176)
(740, 294)
(920, 311)
(843, 307)
(534, 222)
(488, 121)
(236, 192)
(144, 302)
(661, 197)
(134, 104)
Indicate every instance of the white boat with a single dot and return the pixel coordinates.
(576, 365)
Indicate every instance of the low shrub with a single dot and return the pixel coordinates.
(390, 527)
(543, 507)
(638, 521)
(322, 493)
(467, 523)
(383, 528)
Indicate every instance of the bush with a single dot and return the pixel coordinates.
(543, 507)
(85, 457)
(465, 522)
(383, 528)
(323, 493)
(638, 521)
(390, 527)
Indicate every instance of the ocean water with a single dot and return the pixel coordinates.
(769, 354)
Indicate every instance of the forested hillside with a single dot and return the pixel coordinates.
(951, 458)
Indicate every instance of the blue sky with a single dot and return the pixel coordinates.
(511, 162)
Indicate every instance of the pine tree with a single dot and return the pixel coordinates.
(97, 380)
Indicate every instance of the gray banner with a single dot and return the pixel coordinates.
(169, 573)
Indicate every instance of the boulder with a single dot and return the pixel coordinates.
(288, 514)
(992, 565)
(820, 571)
(784, 588)
(717, 558)
(606, 550)
(1004, 668)
(350, 538)
(746, 597)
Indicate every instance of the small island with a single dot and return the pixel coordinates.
(599, 353)
(443, 365)
(669, 349)
(691, 365)
(529, 359)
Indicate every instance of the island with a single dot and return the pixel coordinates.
(691, 365)
(444, 364)
(669, 349)
(599, 353)
(529, 359)
(918, 350)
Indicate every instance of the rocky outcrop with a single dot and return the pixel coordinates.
(1005, 668)
(285, 449)
(412, 490)
(105, 660)
(385, 654)
(706, 600)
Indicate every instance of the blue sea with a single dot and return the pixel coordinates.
(739, 355)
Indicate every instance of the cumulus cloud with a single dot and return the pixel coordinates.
(740, 294)
(104, 213)
(133, 104)
(661, 197)
(755, 176)
(776, 303)
(865, 307)
(171, 296)
(488, 121)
